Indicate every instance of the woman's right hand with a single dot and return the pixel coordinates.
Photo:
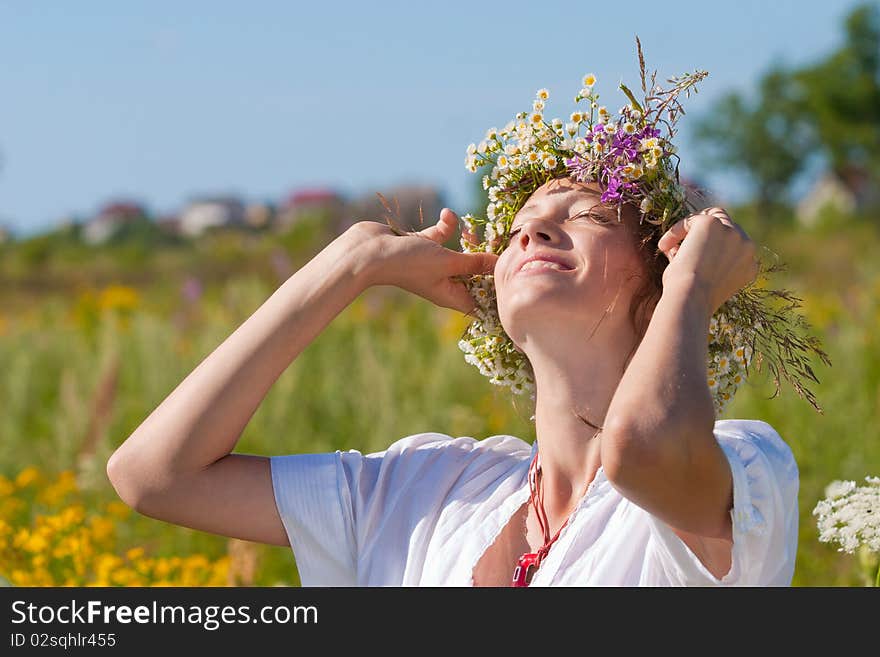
(419, 263)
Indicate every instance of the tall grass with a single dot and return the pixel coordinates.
(81, 370)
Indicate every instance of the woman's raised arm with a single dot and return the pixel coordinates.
(178, 464)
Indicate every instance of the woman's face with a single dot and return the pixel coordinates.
(600, 266)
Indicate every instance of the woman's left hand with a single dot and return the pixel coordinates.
(709, 250)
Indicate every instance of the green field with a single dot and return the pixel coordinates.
(92, 340)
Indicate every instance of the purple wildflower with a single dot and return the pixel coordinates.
(192, 289)
(612, 191)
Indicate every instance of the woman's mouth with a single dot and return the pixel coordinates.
(542, 266)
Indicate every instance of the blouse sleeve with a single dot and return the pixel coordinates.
(764, 513)
(316, 516)
(339, 508)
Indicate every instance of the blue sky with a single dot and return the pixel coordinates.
(162, 101)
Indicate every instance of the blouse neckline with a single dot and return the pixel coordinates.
(505, 512)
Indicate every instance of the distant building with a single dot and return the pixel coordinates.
(110, 220)
(847, 194)
(828, 193)
(403, 198)
(211, 212)
(309, 202)
(169, 224)
(259, 216)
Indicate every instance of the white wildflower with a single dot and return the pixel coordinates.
(850, 515)
(839, 488)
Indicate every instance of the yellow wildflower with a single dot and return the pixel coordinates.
(6, 486)
(27, 477)
(134, 553)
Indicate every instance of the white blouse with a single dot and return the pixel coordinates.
(423, 512)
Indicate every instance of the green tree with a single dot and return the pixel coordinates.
(766, 139)
(842, 97)
(828, 110)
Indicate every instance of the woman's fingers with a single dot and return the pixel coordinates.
(674, 236)
(470, 237)
(671, 241)
(443, 229)
(480, 262)
(458, 298)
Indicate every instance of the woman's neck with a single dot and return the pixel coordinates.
(570, 447)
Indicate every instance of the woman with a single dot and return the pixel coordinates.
(630, 480)
(435, 510)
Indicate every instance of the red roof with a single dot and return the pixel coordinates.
(309, 196)
(122, 208)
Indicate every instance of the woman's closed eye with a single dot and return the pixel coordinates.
(586, 214)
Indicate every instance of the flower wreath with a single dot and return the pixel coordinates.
(633, 160)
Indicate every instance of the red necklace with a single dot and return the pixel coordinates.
(530, 561)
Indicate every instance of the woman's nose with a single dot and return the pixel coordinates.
(539, 230)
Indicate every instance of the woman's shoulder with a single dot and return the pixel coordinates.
(756, 432)
(756, 442)
(496, 446)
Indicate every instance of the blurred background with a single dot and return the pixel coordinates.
(163, 168)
